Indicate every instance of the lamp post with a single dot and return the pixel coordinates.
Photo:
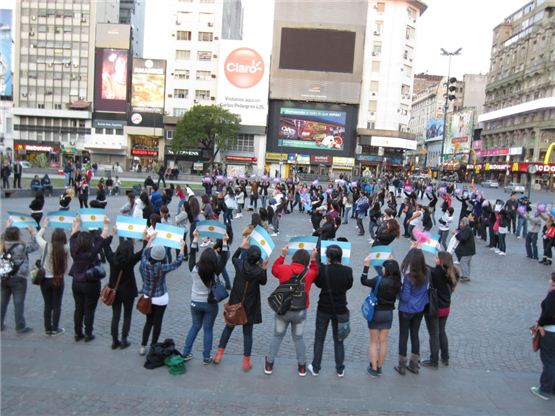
(446, 105)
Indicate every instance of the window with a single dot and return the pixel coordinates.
(372, 105)
(379, 28)
(182, 55)
(203, 75)
(377, 49)
(57, 106)
(410, 33)
(202, 94)
(375, 66)
(408, 53)
(374, 85)
(170, 133)
(183, 35)
(109, 131)
(180, 93)
(244, 143)
(407, 70)
(207, 1)
(204, 56)
(40, 105)
(178, 112)
(405, 89)
(119, 132)
(380, 6)
(98, 131)
(181, 74)
(205, 36)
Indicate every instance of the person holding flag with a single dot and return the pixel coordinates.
(465, 249)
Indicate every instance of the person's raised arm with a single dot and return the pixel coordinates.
(222, 259)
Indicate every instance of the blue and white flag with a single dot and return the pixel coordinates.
(345, 247)
(211, 228)
(92, 218)
(21, 220)
(304, 242)
(432, 244)
(379, 254)
(130, 227)
(260, 237)
(168, 235)
(61, 219)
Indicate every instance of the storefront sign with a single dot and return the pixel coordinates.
(108, 124)
(144, 152)
(241, 159)
(19, 147)
(343, 161)
(68, 149)
(477, 144)
(496, 166)
(500, 151)
(298, 159)
(276, 156)
(195, 153)
(326, 160)
(515, 151)
(540, 168)
(396, 142)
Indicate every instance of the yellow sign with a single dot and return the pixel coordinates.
(347, 162)
(276, 156)
(515, 167)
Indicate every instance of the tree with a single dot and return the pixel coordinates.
(208, 127)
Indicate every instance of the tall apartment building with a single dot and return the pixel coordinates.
(519, 117)
(126, 10)
(53, 76)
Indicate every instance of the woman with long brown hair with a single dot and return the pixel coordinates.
(444, 278)
(55, 254)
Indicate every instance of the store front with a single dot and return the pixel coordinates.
(184, 160)
(376, 164)
(342, 166)
(240, 165)
(43, 154)
(275, 165)
(144, 151)
(541, 175)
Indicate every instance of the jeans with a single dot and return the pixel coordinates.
(522, 225)
(52, 292)
(492, 237)
(296, 319)
(443, 234)
(465, 266)
(322, 321)
(275, 223)
(512, 223)
(373, 224)
(228, 215)
(203, 315)
(502, 245)
(547, 357)
(16, 286)
(17, 180)
(254, 201)
(247, 338)
(5, 182)
(116, 314)
(438, 338)
(409, 323)
(161, 178)
(264, 198)
(360, 225)
(154, 322)
(532, 245)
(346, 215)
(86, 296)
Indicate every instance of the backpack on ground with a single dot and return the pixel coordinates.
(8, 265)
(289, 296)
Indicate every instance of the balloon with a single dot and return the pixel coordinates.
(316, 182)
(329, 190)
(485, 203)
(276, 180)
(522, 210)
(354, 184)
(230, 178)
(442, 190)
(340, 182)
(207, 179)
(541, 207)
(220, 178)
(458, 191)
(253, 176)
(289, 180)
(264, 177)
(553, 212)
(408, 189)
(429, 189)
(241, 176)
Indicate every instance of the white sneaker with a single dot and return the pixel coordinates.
(273, 235)
(502, 253)
(311, 369)
(341, 374)
(493, 248)
(497, 251)
(142, 350)
(518, 237)
(237, 216)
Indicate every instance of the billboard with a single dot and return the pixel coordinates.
(434, 129)
(111, 77)
(148, 85)
(6, 53)
(460, 132)
(312, 128)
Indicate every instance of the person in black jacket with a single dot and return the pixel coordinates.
(444, 280)
(122, 262)
(388, 229)
(335, 280)
(327, 230)
(379, 326)
(546, 326)
(466, 248)
(374, 214)
(432, 205)
(36, 207)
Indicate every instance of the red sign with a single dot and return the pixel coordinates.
(144, 152)
(241, 159)
(500, 151)
(19, 147)
(477, 144)
(244, 67)
(462, 139)
(539, 167)
(321, 159)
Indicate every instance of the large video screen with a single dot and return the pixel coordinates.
(312, 129)
(317, 50)
(111, 79)
(147, 85)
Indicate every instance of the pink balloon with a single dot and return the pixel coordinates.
(521, 210)
(264, 178)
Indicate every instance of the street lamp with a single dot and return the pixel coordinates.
(446, 106)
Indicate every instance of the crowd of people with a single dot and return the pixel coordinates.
(393, 207)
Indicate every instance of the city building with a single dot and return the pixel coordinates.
(519, 111)
(126, 10)
(6, 81)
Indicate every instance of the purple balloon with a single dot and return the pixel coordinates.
(276, 180)
(521, 210)
(485, 203)
(241, 176)
(408, 189)
(230, 178)
(442, 190)
(329, 190)
(289, 180)
(354, 184)
(264, 177)
(253, 176)
(542, 207)
(220, 178)
(207, 179)
(429, 189)
(316, 182)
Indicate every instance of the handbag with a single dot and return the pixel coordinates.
(218, 290)
(432, 302)
(536, 341)
(38, 272)
(290, 295)
(236, 314)
(551, 232)
(144, 304)
(369, 305)
(343, 325)
(107, 294)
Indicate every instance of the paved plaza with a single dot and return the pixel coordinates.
(491, 369)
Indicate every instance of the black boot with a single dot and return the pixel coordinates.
(413, 363)
(115, 343)
(402, 366)
(124, 343)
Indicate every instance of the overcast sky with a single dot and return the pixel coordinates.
(452, 24)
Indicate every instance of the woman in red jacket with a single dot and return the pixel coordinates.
(305, 264)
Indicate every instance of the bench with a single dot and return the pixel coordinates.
(29, 193)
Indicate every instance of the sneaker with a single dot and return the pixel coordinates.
(497, 251)
(380, 371)
(268, 366)
(312, 371)
(25, 330)
(79, 337)
(207, 361)
(247, 366)
(47, 333)
(429, 364)
(502, 253)
(493, 248)
(371, 372)
(219, 355)
(142, 350)
(187, 357)
(538, 393)
(341, 373)
(273, 235)
(518, 237)
(58, 331)
(89, 338)
(302, 370)
(124, 344)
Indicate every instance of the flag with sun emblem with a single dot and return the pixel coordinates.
(61, 219)
(130, 227)
(345, 248)
(92, 218)
(379, 254)
(168, 235)
(304, 242)
(21, 220)
(211, 228)
(260, 237)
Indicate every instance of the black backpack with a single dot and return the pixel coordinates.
(8, 266)
(159, 352)
(289, 296)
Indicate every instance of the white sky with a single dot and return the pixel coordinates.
(451, 24)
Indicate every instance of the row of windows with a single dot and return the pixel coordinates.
(182, 74)
(118, 132)
(184, 93)
(185, 55)
(187, 35)
(244, 143)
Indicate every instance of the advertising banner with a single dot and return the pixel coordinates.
(111, 79)
(6, 53)
(460, 132)
(148, 85)
(434, 129)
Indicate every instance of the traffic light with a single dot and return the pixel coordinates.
(451, 88)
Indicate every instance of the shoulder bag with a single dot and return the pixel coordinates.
(343, 326)
(369, 305)
(144, 304)
(107, 294)
(218, 290)
(236, 314)
(433, 301)
(290, 295)
(38, 273)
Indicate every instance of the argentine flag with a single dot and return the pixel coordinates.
(130, 227)
(304, 242)
(431, 245)
(21, 220)
(379, 254)
(345, 247)
(260, 237)
(168, 235)
(61, 219)
(92, 218)
(211, 228)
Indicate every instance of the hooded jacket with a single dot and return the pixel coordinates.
(284, 272)
(20, 255)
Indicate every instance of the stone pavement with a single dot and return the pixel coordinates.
(492, 364)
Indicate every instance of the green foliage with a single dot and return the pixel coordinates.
(207, 127)
(41, 161)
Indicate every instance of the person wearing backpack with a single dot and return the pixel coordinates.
(15, 252)
(249, 276)
(387, 287)
(304, 269)
(334, 279)
(204, 306)
(427, 223)
(54, 261)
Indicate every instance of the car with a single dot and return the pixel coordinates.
(24, 164)
(490, 183)
(514, 187)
